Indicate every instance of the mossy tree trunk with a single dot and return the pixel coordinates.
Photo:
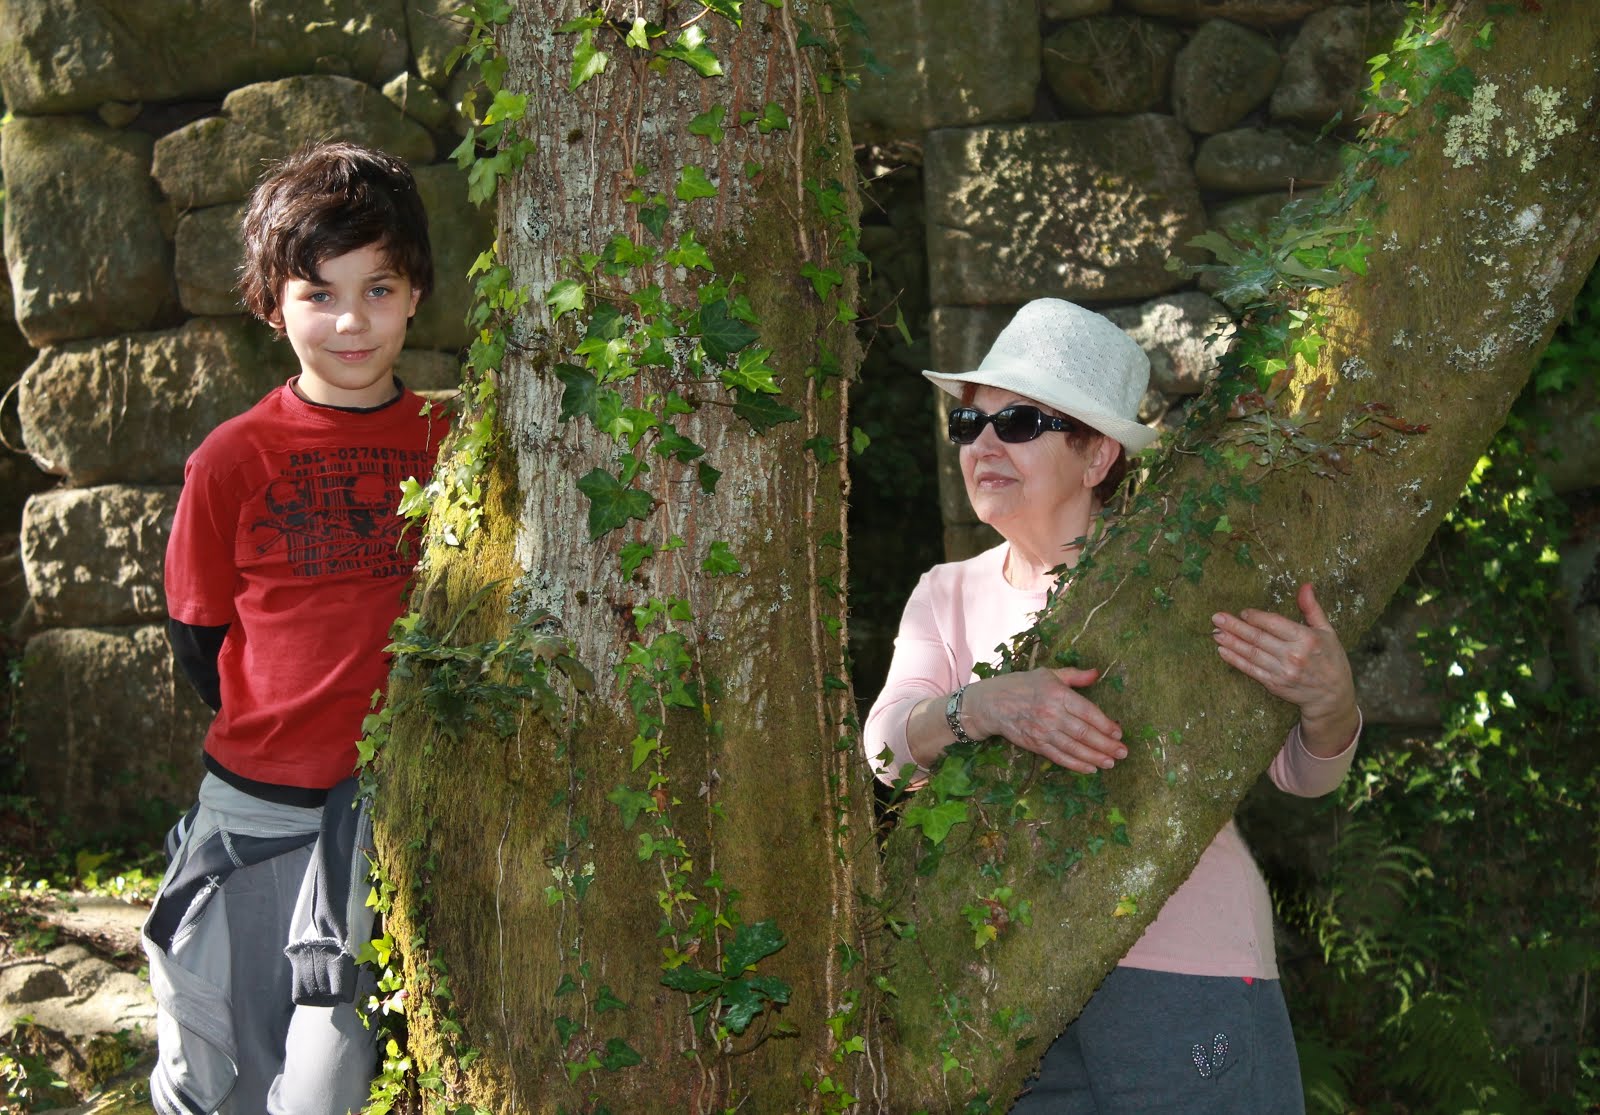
(491, 835)
(1473, 264)
(695, 803)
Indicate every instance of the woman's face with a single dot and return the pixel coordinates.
(1031, 486)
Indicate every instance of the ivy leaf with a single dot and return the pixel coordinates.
(722, 334)
(859, 440)
(587, 61)
(620, 1055)
(693, 981)
(822, 281)
(727, 8)
(693, 183)
(1126, 905)
(762, 411)
(690, 49)
(607, 1000)
(709, 123)
(633, 555)
(708, 477)
(675, 445)
(610, 503)
(630, 803)
(936, 821)
(773, 119)
(752, 373)
(565, 297)
(579, 396)
(638, 34)
(654, 218)
(689, 253)
(752, 943)
(720, 560)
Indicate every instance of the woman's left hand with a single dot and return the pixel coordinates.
(1302, 663)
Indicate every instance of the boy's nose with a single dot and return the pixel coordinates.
(351, 321)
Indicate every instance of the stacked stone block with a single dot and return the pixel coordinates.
(138, 132)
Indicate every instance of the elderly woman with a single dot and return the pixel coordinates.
(1192, 1019)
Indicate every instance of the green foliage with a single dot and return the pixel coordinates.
(1457, 917)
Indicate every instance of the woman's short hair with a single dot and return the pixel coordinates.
(323, 201)
(1079, 440)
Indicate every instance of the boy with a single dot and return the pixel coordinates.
(283, 577)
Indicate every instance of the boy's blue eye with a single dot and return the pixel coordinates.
(380, 291)
(320, 296)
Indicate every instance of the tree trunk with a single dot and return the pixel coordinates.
(693, 807)
(1472, 268)
(530, 859)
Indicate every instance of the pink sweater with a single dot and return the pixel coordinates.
(1219, 922)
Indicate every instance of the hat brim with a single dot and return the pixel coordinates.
(1133, 436)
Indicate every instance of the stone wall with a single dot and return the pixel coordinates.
(1067, 148)
(138, 132)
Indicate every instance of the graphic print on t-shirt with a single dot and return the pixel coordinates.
(332, 511)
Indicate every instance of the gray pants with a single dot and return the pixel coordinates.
(1159, 1042)
(230, 1036)
(293, 1060)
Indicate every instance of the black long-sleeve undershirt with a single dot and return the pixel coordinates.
(196, 650)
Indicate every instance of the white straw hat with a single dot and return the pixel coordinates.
(1070, 359)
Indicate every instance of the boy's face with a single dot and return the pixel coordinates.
(347, 327)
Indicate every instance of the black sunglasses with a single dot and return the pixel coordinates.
(1016, 423)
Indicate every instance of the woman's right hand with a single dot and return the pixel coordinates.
(1043, 712)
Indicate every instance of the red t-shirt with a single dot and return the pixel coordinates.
(287, 531)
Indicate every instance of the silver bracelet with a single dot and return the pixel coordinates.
(952, 716)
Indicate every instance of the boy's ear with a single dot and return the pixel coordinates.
(416, 296)
(275, 318)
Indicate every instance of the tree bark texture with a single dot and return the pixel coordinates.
(1473, 265)
(770, 811)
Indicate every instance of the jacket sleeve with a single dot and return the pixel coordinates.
(196, 649)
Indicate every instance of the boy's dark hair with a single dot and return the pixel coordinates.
(324, 200)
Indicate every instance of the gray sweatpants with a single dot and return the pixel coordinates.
(293, 1060)
(230, 988)
(1180, 1045)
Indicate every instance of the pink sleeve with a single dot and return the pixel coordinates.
(1297, 771)
(199, 574)
(923, 666)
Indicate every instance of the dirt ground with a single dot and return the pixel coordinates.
(73, 993)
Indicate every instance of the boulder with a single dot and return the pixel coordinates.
(207, 251)
(419, 100)
(459, 232)
(1087, 210)
(219, 159)
(71, 57)
(133, 408)
(19, 476)
(1254, 212)
(1325, 67)
(436, 28)
(950, 64)
(1254, 160)
(1580, 617)
(1108, 65)
(83, 237)
(109, 733)
(1184, 334)
(93, 556)
(1255, 13)
(1073, 9)
(1391, 679)
(1223, 73)
(1567, 432)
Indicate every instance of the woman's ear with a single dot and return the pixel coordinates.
(1102, 455)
